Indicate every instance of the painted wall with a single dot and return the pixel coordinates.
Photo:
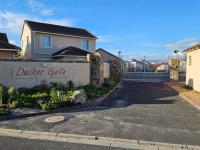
(6, 54)
(28, 74)
(193, 70)
(26, 45)
(106, 70)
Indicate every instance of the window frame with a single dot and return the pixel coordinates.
(82, 44)
(41, 38)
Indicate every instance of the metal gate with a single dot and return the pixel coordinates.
(146, 76)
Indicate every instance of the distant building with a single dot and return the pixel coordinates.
(193, 67)
(7, 50)
(107, 56)
(161, 67)
(134, 65)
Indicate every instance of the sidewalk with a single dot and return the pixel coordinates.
(190, 96)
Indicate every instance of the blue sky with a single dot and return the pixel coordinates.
(151, 28)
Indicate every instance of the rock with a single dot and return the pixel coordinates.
(79, 97)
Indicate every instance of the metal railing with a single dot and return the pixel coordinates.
(146, 76)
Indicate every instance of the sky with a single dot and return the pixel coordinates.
(137, 28)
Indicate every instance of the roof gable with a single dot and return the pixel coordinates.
(71, 51)
(100, 49)
(5, 45)
(58, 29)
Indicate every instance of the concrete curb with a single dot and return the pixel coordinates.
(189, 101)
(102, 98)
(93, 140)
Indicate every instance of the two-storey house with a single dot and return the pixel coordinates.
(49, 41)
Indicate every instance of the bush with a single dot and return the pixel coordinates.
(23, 100)
(4, 110)
(12, 93)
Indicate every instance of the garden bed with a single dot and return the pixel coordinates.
(50, 97)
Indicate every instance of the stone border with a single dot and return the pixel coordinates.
(102, 98)
(94, 140)
(61, 110)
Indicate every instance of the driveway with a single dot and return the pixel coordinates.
(139, 111)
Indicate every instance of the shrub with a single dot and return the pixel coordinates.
(58, 86)
(12, 93)
(40, 88)
(70, 85)
(23, 100)
(4, 110)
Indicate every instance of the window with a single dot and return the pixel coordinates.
(45, 41)
(85, 44)
(190, 60)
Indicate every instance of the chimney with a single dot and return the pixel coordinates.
(3, 37)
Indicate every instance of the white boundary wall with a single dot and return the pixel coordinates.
(31, 73)
(106, 70)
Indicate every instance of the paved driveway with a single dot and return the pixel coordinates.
(144, 111)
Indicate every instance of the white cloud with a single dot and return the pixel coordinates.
(12, 42)
(38, 6)
(182, 44)
(107, 38)
(13, 22)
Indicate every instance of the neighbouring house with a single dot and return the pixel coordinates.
(107, 56)
(161, 67)
(113, 65)
(193, 67)
(49, 41)
(134, 65)
(7, 50)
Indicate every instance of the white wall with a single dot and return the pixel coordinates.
(28, 74)
(193, 70)
(106, 70)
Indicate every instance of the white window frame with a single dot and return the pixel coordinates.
(45, 35)
(82, 41)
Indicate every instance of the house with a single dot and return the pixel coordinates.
(49, 41)
(107, 56)
(110, 59)
(161, 67)
(134, 65)
(7, 50)
(193, 67)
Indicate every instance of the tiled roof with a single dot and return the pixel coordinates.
(100, 49)
(5, 45)
(71, 51)
(3, 37)
(58, 29)
(192, 47)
